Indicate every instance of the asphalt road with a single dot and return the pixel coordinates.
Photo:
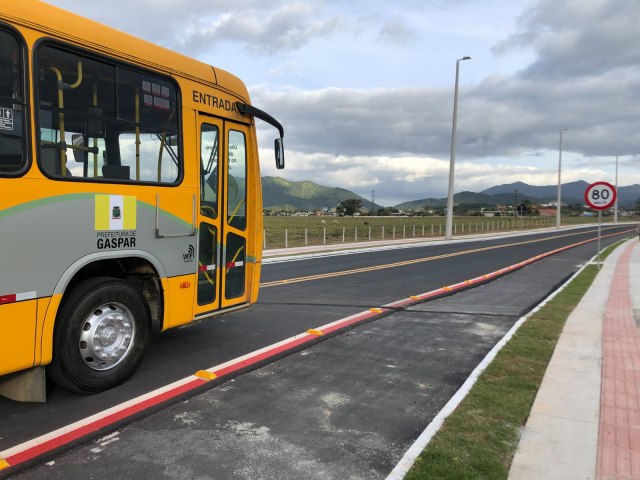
(345, 408)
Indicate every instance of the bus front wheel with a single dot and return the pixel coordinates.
(100, 335)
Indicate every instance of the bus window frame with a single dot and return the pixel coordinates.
(26, 96)
(116, 62)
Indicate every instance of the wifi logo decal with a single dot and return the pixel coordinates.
(189, 255)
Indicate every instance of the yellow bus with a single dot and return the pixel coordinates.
(131, 198)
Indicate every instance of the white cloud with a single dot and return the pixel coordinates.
(364, 88)
(500, 116)
(578, 38)
(288, 27)
(398, 179)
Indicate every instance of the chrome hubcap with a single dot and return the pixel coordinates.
(107, 336)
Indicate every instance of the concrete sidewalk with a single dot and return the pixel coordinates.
(585, 421)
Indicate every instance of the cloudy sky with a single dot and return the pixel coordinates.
(364, 88)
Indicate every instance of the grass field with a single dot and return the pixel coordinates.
(281, 232)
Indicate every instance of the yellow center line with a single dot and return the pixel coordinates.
(412, 262)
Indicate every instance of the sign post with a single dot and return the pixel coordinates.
(600, 196)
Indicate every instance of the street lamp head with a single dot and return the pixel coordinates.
(465, 58)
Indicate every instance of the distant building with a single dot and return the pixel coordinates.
(485, 212)
(497, 211)
(547, 212)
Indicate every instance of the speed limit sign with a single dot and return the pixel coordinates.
(600, 195)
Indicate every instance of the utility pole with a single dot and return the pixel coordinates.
(559, 201)
(448, 232)
(615, 208)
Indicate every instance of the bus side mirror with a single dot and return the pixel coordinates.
(279, 147)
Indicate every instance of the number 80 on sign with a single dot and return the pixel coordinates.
(600, 195)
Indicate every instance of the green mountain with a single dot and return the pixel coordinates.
(475, 199)
(572, 192)
(308, 196)
(424, 203)
(466, 198)
(305, 196)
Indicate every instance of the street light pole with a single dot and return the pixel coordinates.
(559, 202)
(615, 208)
(448, 231)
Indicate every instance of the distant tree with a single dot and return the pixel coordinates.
(524, 208)
(349, 207)
(281, 209)
(573, 209)
(383, 212)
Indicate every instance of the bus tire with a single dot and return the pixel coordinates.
(100, 336)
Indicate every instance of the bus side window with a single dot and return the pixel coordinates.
(124, 121)
(12, 107)
(116, 172)
(149, 132)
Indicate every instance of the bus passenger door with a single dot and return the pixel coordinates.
(209, 216)
(222, 217)
(235, 228)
